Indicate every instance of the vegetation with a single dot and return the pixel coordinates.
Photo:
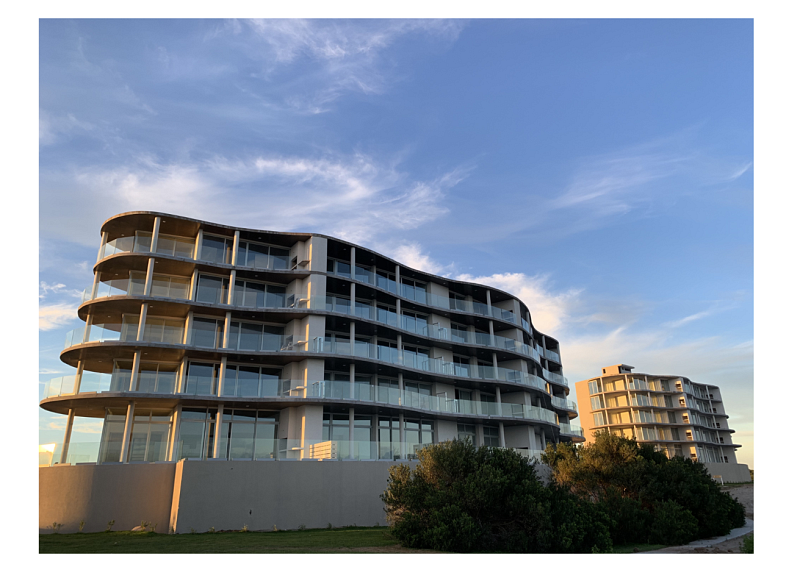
(648, 497)
(747, 544)
(346, 540)
(465, 499)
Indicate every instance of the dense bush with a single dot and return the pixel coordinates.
(633, 485)
(464, 499)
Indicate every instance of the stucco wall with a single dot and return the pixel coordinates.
(128, 494)
(262, 494)
(730, 472)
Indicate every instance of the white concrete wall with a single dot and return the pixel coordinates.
(730, 472)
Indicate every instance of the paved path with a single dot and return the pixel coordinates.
(737, 532)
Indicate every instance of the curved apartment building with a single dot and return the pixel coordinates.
(677, 415)
(210, 342)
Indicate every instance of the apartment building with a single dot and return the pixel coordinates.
(675, 414)
(206, 343)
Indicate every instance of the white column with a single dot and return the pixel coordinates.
(181, 373)
(352, 381)
(148, 282)
(400, 348)
(226, 333)
(489, 301)
(235, 256)
(353, 262)
(193, 286)
(88, 329)
(223, 367)
(502, 435)
(154, 240)
(137, 359)
(126, 436)
(352, 337)
(218, 430)
(400, 385)
(198, 244)
(78, 377)
(142, 322)
(67, 435)
(352, 298)
(187, 338)
(95, 284)
(352, 429)
(103, 242)
(231, 287)
(174, 439)
(494, 363)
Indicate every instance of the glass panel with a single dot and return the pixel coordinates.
(269, 382)
(276, 296)
(201, 379)
(241, 440)
(160, 286)
(271, 339)
(209, 289)
(280, 258)
(205, 332)
(111, 443)
(247, 386)
(249, 336)
(258, 256)
(138, 444)
(229, 387)
(216, 249)
(158, 443)
(192, 434)
(266, 433)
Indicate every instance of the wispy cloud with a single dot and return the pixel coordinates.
(355, 197)
(57, 315)
(330, 57)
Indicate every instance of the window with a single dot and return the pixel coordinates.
(150, 435)
(467, 431)
(594, 387)
(597, 403)
(459, 333)
(163, 330)
(415, 322)
(388, 438)
(599, 419)
(197, 433)
(256, 337)
(111, 438)
(251, 381)
(248, 434)
(175, 246)
(419, 434)
(262, 256)
(413, 290)
(170, 286)
(387, 315)
(339, 268)
(211, 289)
(457, 302)
(207, 333)
(157, 377)
(461, 365)
(416, 357)
(491, 436)
(201, 379)
(121, 376)
(258, 294)
(216, 249)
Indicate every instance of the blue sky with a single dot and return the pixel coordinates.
(601, 170)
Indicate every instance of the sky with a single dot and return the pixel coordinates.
(600, 170)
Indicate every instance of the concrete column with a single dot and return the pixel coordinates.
(400, 348)
(193, 286)
(235, 255)
(198, 244)
(187, 338)
(142, 322)
(154, 240)
(175, 433)
(352, 337)
(137, 359)
(226, 333)
(231, 287)
(218, 430)
(497, 395)
(181, 373)
(352, 381)
(95, 284)
(223, 367)
(353, 262)
(502, 435)
(148, 282)
(400, 385)
(402, 435)
(352, 297)
(489, 300)
(67, 435)
(397, 278)
(78, 377)
(103, 242)
(88, 328)
(491, 332)
(494, 363)
(126, 436)
(398, 310)
(352, 424)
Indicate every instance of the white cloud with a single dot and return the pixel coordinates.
(45, 288)
(358, 198)
(411, 254)
(57, 315)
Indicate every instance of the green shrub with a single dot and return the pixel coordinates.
(463, 499)
(672, 524)
(747, 544)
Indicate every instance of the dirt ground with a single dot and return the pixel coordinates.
(744, 494)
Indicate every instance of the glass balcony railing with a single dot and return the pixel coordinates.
(564, 403)
(554, 356)
(414, 400)
(567, 429)
(77, 452)
(553, 377)
(61, 386)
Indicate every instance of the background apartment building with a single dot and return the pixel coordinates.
(675, 414)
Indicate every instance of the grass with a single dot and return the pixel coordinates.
(344, 540)
(629, 547)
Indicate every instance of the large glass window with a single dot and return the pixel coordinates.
(413, 290)
(150, 435)
(111, 438)
(251, 381)
(491, 436)
(121, 376)
(157, 377)
(201, 379)
(416, 357)
(467, 431)
(216, 249)
(197, 433)
(175, 246)
(163, 330)
(212, 289)
(419, 434)
(459, 333)
(257, 294)
(415, 322)
(387, 281)
(170, 286)
(255, 337)
(387, 315)
(388, 438)
(207, 333)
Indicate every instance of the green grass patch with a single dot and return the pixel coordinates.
(346, 540)
(639, 547)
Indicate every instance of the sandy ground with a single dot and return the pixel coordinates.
(745, 495)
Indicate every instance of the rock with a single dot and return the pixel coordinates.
(138, 529)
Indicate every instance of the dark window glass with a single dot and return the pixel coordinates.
(206, 333)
